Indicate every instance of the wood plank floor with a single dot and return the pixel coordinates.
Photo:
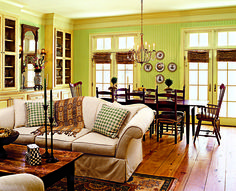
(203, 166)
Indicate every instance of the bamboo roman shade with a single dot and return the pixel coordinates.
(122, 58)
(226, 55)
(198, 56)
(102, 58)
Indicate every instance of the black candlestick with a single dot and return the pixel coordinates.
(46, 154)
(51, 159)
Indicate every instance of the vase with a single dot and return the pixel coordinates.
(38, 81)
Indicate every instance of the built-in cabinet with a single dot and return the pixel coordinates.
(9, 53)
(63, 58)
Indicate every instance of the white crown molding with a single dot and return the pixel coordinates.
(226, 13)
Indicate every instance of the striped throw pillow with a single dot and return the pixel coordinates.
(109, 120)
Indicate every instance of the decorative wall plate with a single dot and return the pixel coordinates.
(160, 67)
(160, 55)
(147, 67)
(172, 67)
(160, 78)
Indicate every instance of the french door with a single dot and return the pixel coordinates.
(206, 69)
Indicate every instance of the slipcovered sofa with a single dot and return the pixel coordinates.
(21, 182)
(106, 158)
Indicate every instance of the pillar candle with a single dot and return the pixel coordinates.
(51, 103)
(45, 92)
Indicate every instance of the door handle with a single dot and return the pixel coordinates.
(209, 88)
(215, 88)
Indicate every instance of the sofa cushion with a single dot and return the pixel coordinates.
(7, 117)
(35, 114)
(20, 111)
(60, 141)
(90, 106)
(25, 137)
(109, 120)
(95, 143)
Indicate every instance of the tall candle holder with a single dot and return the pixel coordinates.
(46, 154)
(51, 159)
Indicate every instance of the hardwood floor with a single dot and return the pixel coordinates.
(203, 166)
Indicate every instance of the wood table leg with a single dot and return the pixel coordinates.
(71, 178)
(193, 120)
(187, 124)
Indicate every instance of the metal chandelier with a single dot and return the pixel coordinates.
(143, 53)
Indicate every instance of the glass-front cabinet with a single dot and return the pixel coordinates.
(63, 61)
(8, 58)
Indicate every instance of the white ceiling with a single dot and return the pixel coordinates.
(100, 8)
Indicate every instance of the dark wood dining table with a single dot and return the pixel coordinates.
(182, 106)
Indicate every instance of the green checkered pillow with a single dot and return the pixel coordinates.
(109, 120)
(35, 114)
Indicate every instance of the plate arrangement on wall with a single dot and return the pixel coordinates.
(160, 78)
(147, 67)
(172, 67)
(160, 67)
(160, 55)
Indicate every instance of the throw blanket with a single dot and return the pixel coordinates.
(68, 117)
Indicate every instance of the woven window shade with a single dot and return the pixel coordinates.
(102, 58)
(198, 56)
(226, 55)
(122, 58)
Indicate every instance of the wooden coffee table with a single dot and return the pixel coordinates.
(49, 172)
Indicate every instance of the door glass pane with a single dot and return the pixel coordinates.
(222, 38)
(203, 93)
(193, 79)
(121, 77)
(129, 67)
(99, 76)
(203, 66)
(106, 86)
(232, 65)
(106, 66)
(232, 94)
(232, 38)
(99, 87)
(121, 66)
(223, 110)
(231, 77)
(193, 39)
(231, 109)
(106, 77)
(203, 77)
(222, 77)
(193, 92)
(193, 65)
(222, 65)
(99, 66)
(203, 39)
(129, 76)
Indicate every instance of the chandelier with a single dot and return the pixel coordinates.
(143, 53)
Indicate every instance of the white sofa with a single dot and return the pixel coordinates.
(104, 158)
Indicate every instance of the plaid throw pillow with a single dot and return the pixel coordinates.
(109, 120)
(35, 114)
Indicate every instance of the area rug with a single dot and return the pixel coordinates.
(136, 182)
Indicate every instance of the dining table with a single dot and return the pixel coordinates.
(182, 105)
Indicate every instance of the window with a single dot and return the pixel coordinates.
(110, 60)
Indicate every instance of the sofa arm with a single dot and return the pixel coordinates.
(7, 117)
(21, 182)
(135, 129)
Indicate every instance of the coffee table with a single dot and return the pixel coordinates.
(49, 172)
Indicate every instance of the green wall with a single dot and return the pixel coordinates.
(167, 38)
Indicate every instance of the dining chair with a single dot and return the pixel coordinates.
(166, 108)
(76, 89)
(120, 92)
(211, 114)
(105, 95)
(134, 97)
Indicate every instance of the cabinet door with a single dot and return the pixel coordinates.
(9, 53)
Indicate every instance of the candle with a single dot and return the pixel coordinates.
(51, 104)
(154, 46)
(45, 92)
(146, 45)
(127, 81)
(149, 47)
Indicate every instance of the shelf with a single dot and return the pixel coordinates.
(9, 66)
(9, 27)
(9, 40)
(9, 78)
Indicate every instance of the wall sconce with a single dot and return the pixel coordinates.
(20, 51)
(43, 54)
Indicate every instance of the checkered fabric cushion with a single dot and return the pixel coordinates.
(109, 120)
(35, 114)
